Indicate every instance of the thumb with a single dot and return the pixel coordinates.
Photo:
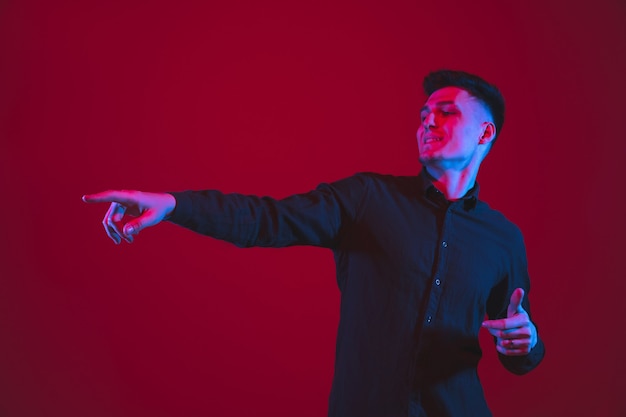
(515, 306)
(133, 227)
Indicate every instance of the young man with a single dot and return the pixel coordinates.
(420, 260)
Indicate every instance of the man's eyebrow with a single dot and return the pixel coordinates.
(439, 104)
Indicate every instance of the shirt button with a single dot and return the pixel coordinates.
(429, 319)
(444, 244)
(437, 282)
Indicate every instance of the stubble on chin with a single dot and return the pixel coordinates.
(426, 158)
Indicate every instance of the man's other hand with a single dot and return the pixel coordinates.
(515, 335)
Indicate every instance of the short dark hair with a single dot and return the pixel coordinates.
(488, 94)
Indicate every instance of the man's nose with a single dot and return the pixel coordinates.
(429, 120)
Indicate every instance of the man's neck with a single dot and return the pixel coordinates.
(454, 184)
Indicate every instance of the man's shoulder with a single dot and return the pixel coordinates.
(367, 188)
(498, 220)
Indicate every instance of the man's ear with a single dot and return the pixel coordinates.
(489, 133)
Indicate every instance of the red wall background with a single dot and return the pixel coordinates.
(272, 98)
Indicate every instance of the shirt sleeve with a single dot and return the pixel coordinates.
(498, 303)
(315, 218)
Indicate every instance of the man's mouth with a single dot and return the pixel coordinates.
(431, 138)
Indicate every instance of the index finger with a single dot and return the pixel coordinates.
(110, 196)
(519, 320)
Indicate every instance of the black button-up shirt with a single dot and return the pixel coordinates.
(417, 275)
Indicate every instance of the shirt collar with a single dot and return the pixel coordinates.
(428, 189)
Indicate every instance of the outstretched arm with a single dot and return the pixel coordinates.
(314, 218)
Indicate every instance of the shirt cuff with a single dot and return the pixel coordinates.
(520, 365)
(183, 210)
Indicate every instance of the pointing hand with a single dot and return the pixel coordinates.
(147, 209)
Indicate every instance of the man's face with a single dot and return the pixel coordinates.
(452, 124)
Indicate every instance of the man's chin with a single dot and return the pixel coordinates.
(428, 159)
